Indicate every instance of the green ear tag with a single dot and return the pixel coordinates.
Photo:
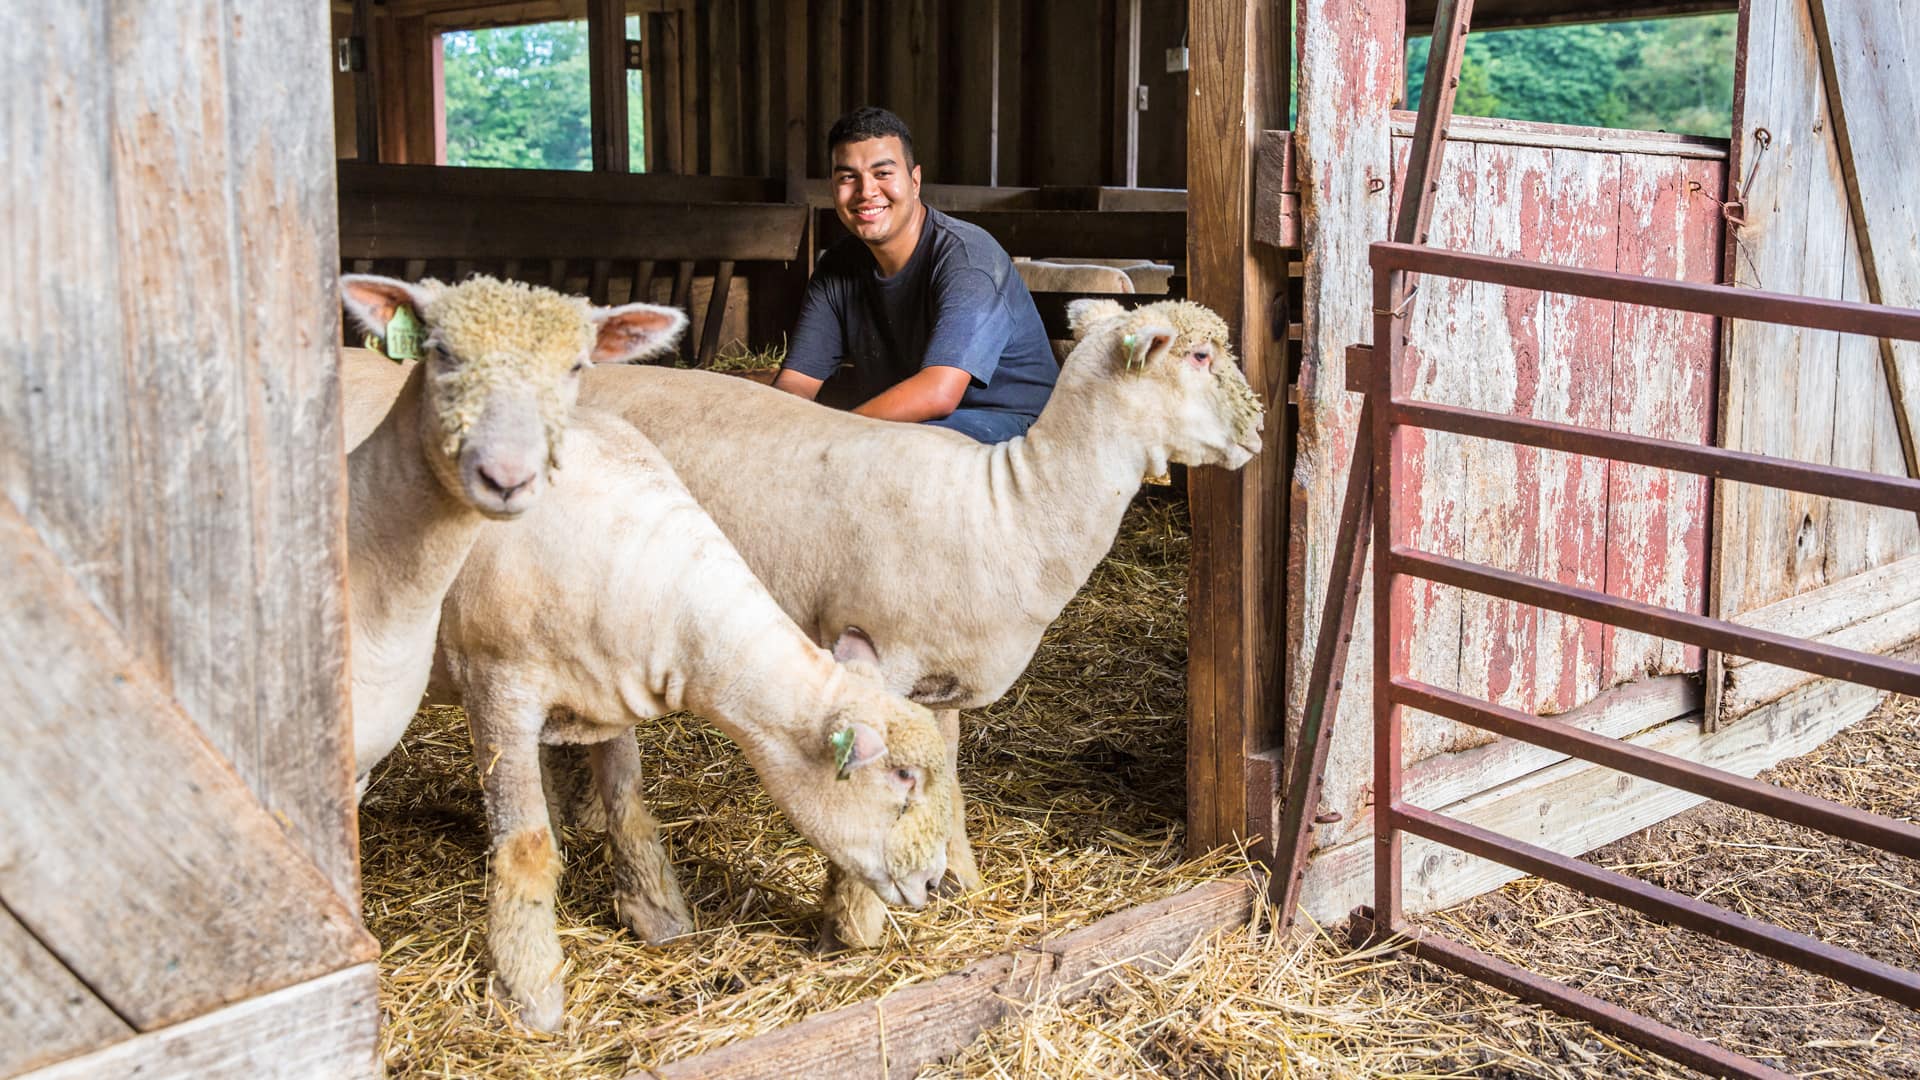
(403, 335)
(1129, 342)
(842, 742)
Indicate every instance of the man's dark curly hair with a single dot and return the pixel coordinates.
(870, 122)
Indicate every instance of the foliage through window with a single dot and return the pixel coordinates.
(517, 97)
(1649, 75)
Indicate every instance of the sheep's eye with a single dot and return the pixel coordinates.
(906, 775)
(579, 367)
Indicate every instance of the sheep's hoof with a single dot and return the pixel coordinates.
(963, 874)
(653, 921)
(544, 1010)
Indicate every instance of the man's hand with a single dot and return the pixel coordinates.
(932, 393)
(798, 385)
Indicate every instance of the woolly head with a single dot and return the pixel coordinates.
(876, 793)
(503, 362)
(1175, 354)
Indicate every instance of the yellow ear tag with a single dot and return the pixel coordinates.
(403, 335)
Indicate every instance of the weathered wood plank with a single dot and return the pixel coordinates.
(45, 1012)
(1669, 227)
(1487, 129)
(65, 442)
(1349, 78)
(290, 740)
(1867, 59)
(391, 226)
(607, 85)
(324, 1029)
(1575, 807)
(453, 182)
(1235, 657)
(208, 901)
(897, 1035)
(1577, 388)
(1875, 611)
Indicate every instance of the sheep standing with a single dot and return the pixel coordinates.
(954, 556)
(471, 434)
(618, 600)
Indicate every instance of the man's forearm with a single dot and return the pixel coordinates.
(932, 393)
(799, 385)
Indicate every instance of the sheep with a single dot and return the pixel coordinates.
(471, 435)
(954, 556)
(1071, 277)
(1147, 276)
(618, 600)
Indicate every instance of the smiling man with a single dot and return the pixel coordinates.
(915, 317)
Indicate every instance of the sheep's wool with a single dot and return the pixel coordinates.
(501, 332)
(919, 833)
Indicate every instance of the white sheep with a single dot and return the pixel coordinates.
(954, 556)
(471, 435)
(1071, 277)
(618, 600)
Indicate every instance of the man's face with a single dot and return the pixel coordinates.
(874, 191)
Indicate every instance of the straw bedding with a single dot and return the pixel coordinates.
(1076, 787)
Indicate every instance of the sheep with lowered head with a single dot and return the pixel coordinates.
(954, 556)
(467, 435)
(618, 600)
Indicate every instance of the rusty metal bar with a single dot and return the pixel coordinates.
(1885, 833)
(1724, 300)
(1325, 682)
(1606, 1016)
(1849, 665)
(1384, 476)
(1811, 954)
(1449, 46)
(1827, 480)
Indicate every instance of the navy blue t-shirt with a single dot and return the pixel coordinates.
(957, 302)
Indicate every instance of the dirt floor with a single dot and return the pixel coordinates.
(1077, 788)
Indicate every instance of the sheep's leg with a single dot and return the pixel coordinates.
(524, 865)
(852, 915)
(571, 798)
(962, 872)
(646, 894)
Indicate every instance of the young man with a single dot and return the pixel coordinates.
(915, 317)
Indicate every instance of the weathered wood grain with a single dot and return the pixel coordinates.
(1239, 519)
(119, 814)
(1876, 611)
(1867, 59)
(45, 1012)
(1574, 807)
(290, 738)
(324, 1029)
(1488, 129)
(897, 1035)
(428, 226)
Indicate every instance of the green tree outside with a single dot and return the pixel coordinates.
(517, 97)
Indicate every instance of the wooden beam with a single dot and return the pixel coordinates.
(607, 84)
(1498, 130)
(665, 110)
(430, 227)
(46, 1012)
(903, 1031)
(1124, 168)
(1497, 14)
(1236, 604)
(329, 1026)
(366, 181)
(1118, 234)
(794, 98)
(366, 85)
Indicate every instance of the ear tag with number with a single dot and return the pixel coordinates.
(842, 743)
(403, 335)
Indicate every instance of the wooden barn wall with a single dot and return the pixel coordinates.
(168, 407)
(717, 89)
(1813, 396)
(1641, 204)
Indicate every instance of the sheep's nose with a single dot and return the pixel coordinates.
(504, 480)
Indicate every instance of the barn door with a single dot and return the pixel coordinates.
(1826, 208)
(178, 890)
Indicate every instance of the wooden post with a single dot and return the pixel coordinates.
(795, 72)
(663, 102)
(607, 84)
(366, 86)
(1125, 167)
(1239, 519)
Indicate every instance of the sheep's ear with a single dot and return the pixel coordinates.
(854, 648)
(1141, 344)
(372, 300)
(854, 746)
(1084, 314)
(635, 332)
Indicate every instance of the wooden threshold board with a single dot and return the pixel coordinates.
(894, 1036)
